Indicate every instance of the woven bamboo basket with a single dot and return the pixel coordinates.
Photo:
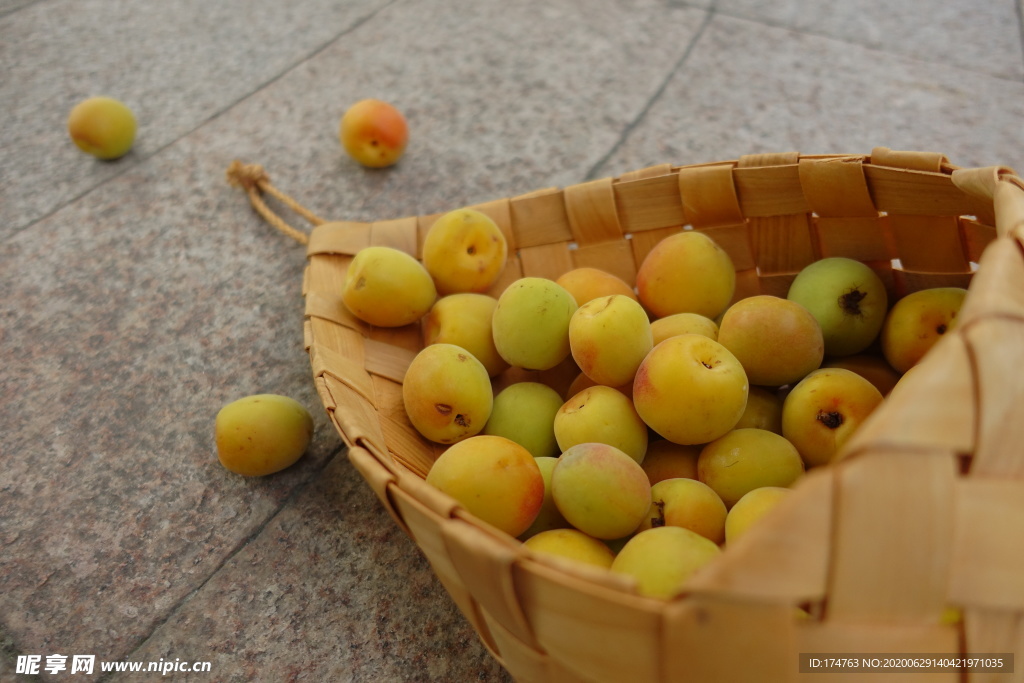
(924, 511)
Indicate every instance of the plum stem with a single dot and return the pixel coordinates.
(660, 519)
(850, 301)
(832, 419)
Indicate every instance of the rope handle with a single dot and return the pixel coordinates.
(255, 181)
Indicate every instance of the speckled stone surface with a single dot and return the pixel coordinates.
(175, 64)
(976, 36)
(139, 296)
(817, 95)
(337, 592)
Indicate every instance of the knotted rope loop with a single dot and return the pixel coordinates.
(255, 181)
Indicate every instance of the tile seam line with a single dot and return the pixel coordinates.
(242, 544)
(13, 10)
(881, 50)
(592, 174)
(1019, 6)
(212, 117)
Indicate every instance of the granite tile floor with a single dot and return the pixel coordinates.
(141, 295)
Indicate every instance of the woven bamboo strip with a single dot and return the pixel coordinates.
(858, 237)
(709, 196)
(380, 480)
(898, 191)
(614, 257)
(919, 412)
(998, 293)
(424, 526)
(735, 241)
(930, 243)
(659, 198)
(326, 361)
(993, 631)
(787, 561)
(331, 309)
(408, 337)
(540, 219)
(406, 447)
(593, 216)
(783, 244)
(657, 171)
(876, 638)
(986, 565)
(911, 160)
(351, 412)
(338, 237)
(401, 234)
(649, 202)
(976, 236)
(836, 187)
(871, 530)
(719, 638)
(1010, 206)
(484, 563)
(905, 281)
(387, 360)
(531, 663)
(597, 631)
(337, 332)
(1001, 394)
(766, 191)
(549, 260)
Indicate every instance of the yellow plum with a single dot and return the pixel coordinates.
(683, 323)
(531, 323)
(572, 544)
(548, 517)
(103, 127)
(464, 251)
(387, 287)
(525, 412)
(686, 272)
(464, 319)
(493, 478)
(663, 559)
(609, 337)
(668, 460)
(690, 389)
(600, 490)
(688, 503)
(447, 393)
(374, 133)
(587, 283)
(874, 369)
(604, 415)
(262, 434)
(917, 321)
(778, 341)
(763, 411)
(747, 459)
(749, 509)
(847, 298)
(823, 411)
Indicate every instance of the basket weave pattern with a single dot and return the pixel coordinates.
(926, 509)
